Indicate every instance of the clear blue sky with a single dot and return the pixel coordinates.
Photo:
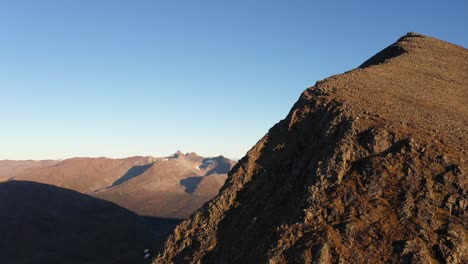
(121, 78)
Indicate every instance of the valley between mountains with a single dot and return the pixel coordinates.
(167, 187)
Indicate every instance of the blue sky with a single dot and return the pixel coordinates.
(123, 78)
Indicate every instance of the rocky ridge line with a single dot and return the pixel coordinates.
(368, 166)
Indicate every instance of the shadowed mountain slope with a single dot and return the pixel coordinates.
(173, 187)
(368, 167)
(41, 223)
(161, 187)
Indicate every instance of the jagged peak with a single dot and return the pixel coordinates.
(177, 154)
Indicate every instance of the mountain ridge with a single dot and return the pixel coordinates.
(368, 166)
(143, 184)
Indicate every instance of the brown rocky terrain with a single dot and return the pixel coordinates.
(41, 223)
(84, 175)
(369, 166)
(10, 168)
(173, 187)
(169, 187)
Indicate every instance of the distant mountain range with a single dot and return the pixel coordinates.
(168, 187)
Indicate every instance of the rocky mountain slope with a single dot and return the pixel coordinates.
(169, 187)
(172, 187)
(84, 175)
(10, 168)
(369, 166)
(41, 223)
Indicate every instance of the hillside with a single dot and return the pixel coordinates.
(11, 168)
(369, 166)
(173, 187)
(169, 187)
(41, 223)
(84, 175)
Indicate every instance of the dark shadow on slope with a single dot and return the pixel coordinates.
(206, 162)
(161, 227)
(132, 173)
(217, 165)
(49, 224)
(222, 166)
(191, 183)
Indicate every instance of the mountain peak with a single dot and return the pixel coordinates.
(177, 154)
(413, 35)
(192, 154)
(398, 48)
(367, 167)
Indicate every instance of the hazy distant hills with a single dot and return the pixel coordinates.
(171, 187)
(10, 168)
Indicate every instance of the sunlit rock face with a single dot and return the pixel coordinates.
(368, 167)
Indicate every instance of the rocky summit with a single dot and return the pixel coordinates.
(369, 166)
